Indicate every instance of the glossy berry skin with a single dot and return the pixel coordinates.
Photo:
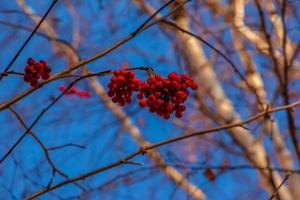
(122, 85)
(36, 70)
(164, 96)
(34, 83)
(142, 103)
(46, 75)
(27, 77)
(30, 61)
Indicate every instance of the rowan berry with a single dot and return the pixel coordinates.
(44, 63)
(121, 86)
(30, 61)
(166, 95)
(34, 83)
(29, 69)
(46, 75)
(178, 114)
(27, 77)
(140, 95)
(38, 67)
(36, 70)
(162, 96)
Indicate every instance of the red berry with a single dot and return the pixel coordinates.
(45, 75)
(27, 77)
(38, 67)
(166, 82)
(158, 77)
(166, 91)
(182, 108)
(122, 102)
(194, 86)
(36, 75)
(185, 76)
(121, 85)
(114, 79)
(178, 114)
(34, 83)
(30, 61)
(142, 103)
(159, 102)
(169, 107)
(135, 80)
(166, 116)
(151, 80)
(180, 94)
(161, 95)
(183, 86)
(130, 74)
(110, 93)
(123, 72)
(152, 98)
(157, 94)
(174, 85)
(172, 75)
(116, 72)
(115, 99)
(44, 63)
(140, 95)
(112, 86)
(158, 85)
(121, 79)
(29, 69)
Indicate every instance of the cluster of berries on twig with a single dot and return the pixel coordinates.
(36, 70)
(121, 86)
(166, 95)
(163, 96)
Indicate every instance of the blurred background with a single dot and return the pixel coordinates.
(250, 64)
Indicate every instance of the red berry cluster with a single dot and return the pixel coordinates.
(121, 86)
(166, 95)
(162, 95)
(36, 70)
(75, 91)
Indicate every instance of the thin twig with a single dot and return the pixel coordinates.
(98, 74)
(65, 145)
(54, 168)
(234, 67)
(288, 174)
(144, 149)
(28, 39)
(88, 60)
(12, 72)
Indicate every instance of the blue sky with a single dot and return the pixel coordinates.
(87, 122)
